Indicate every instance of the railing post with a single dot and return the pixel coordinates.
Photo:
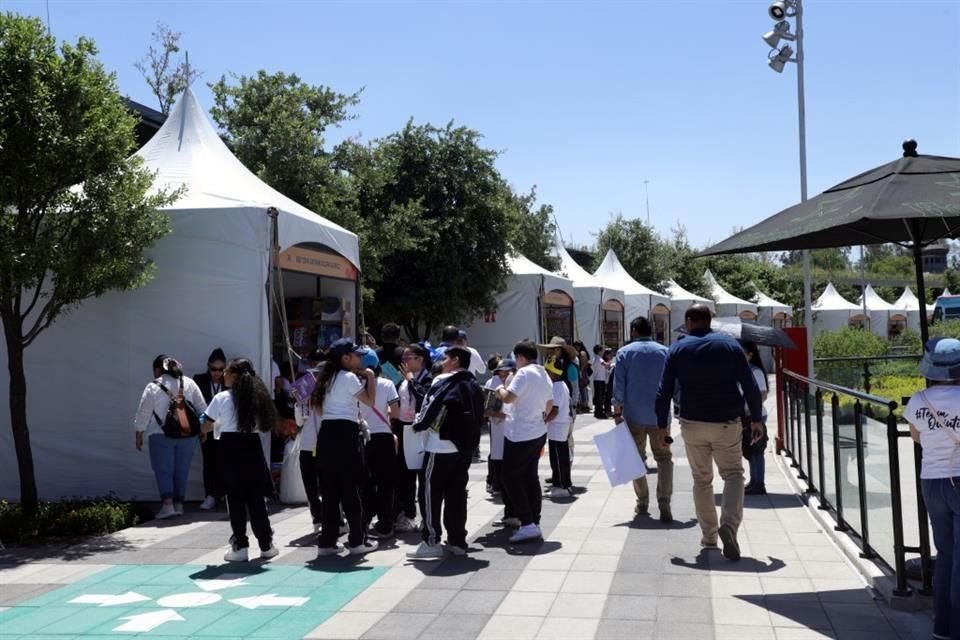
(926, 559)
(866, 376)
(820, 455)
(837, 474)
(899, 553)
(862, 481)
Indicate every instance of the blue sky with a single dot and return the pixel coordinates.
(588, 99)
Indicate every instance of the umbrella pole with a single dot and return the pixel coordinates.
(921, 287)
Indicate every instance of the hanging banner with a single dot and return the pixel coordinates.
(317, 263)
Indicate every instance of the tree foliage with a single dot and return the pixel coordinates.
(638, 247)
(166, 73)
(62, 124)
(532, 229)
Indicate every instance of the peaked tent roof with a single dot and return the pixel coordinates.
(763, 301)
(676, 292)
(570, 269)
(187, 152)
(831, 300)
(874, 301)
(613, 273)
(907, 301)
(521, 265)
(721, 295)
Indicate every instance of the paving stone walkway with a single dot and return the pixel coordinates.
(599, 574)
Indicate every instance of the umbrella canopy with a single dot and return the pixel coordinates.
(914, 200)
(749, 332)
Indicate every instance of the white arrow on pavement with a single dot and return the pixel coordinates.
(149, 621)
(269, 600)
(217, 585)
(105, 600)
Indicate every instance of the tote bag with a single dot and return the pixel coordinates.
(619, 455)
(414, 445)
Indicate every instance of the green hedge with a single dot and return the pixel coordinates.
(69, 519)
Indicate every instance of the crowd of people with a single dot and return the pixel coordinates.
(388, 432)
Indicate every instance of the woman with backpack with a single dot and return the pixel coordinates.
(335, 398)
(236, 418)
(168, 421)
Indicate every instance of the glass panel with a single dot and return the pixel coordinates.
(849, 485)
(877, 466)
(830, 490)
(813, 461)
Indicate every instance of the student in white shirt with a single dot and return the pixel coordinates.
(336, 397)
(236, 418)
(601, 376)
(170, 457)
(502, 369)
(381, 450)
(559, 423)
(531, 395)
(417, 378)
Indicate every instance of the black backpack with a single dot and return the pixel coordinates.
(181, 420)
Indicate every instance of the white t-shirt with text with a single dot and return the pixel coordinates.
(340, 401)
(386, 395)
(940, 436)
(534, 390)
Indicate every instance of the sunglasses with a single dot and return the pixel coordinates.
(216, 369)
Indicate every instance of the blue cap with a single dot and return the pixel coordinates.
(941, 362)
(507, 364)
(343, 346)
(369, 358)
(462, 334)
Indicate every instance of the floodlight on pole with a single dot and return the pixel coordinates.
(780, 57)
(781, 31)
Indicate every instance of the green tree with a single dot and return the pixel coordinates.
(533, 229)
(638, 247)
(457, 270)
(833, 260)
(679, 257)
(276, 123)
(62, 123)
(166, 73)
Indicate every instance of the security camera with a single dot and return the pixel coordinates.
(777, 11)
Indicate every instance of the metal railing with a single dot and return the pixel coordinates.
(827, 430)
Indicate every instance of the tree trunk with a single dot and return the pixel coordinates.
(13, 332)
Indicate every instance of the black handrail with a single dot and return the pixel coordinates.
(908, 356)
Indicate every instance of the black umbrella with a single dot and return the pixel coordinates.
(748, 332)
(913, 201)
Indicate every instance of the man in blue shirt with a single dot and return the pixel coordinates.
(715, 376)
(636, 378)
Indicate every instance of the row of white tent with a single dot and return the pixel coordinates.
(832, 312)
(594, 298)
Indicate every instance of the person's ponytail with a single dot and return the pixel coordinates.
(251, 399)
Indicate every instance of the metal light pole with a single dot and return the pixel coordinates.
(647, 190)
(779, 11)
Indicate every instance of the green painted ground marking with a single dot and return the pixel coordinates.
(176, 602)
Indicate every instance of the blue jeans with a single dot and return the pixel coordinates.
(170, 459)
(758, 469)
(943, 504)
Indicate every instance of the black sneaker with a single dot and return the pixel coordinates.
(731, 549)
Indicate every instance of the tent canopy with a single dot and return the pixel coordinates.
(639, 300)
(727, 303)
(680, 298)
(590, 295)
(522, 266)
(831, 300)
(763, 301)
(874, 301)
(187, 152)
(907, 301)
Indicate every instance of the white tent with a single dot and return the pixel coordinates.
(909, 306)
(832, 312)
(639, 300)
(521, 309)
(590, 297)
(86, 373)
(727, 303)
(681, 299)
(879, 310)
(769, 309)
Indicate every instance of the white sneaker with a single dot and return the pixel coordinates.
(166, 511)
(404, 525)
(558, 493)
(510, 522)
(329, 551)
(426, 552)
(527, 533)
(272, 552)
(237, 555)
(178, 508)
(366, 547)
(209, 503)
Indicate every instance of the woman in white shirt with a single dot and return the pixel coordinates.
(170, 455)
(934, 417)
(381, 450)
(502, 370)
(336, 397)
(236, 418)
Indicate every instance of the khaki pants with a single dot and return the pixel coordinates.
(664, 457)
(706, 443)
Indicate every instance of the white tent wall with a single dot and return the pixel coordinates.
(727, 304)
(832, 312)
(95, 361)
(909, 306)
(638, 299)
(879, 311)
(589, 294)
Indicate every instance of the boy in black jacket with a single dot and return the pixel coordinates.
(451, 414)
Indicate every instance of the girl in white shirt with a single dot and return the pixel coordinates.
(381, 451)
(336, 397)
(502, 370)
(236, 418)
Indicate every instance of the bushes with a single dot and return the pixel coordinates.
(849, 343)
(69, 519)
(946, 328)
(897, 388)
